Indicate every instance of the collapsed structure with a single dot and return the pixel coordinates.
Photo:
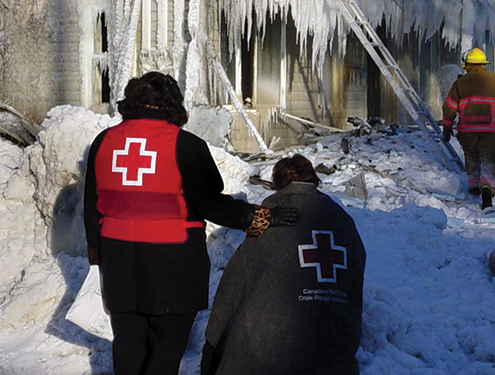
(279, 66)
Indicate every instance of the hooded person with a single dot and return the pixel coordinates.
(149, 188)
(290, 302)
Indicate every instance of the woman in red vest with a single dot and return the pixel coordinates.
(150, 186)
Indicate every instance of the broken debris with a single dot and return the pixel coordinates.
(356, 187)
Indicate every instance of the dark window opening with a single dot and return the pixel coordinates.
(247, 74)
(105, 87)
(374, 81)
(105, 81)
(373, 88)
(104, 33)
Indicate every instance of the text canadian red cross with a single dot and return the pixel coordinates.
(134, 161)
(324, 255)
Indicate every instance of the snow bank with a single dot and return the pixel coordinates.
(434, 318)
(16, 211)
(57, 162)
(429, 305)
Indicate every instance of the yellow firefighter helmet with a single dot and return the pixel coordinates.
(474, 56)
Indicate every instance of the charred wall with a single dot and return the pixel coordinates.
(40, 56)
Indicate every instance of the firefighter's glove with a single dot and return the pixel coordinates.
(448, 132)
(93, 256)
(284, 216)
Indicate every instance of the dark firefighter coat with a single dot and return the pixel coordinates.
(472, 95)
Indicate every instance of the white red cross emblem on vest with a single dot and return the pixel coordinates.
(134, 161)
(324, 255)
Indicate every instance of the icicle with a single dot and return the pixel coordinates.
(101, 61)
(321, 20)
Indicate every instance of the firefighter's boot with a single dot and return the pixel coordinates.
(486, 198)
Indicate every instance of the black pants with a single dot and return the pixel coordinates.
(479, 156)
(210, 360)
(149, 344)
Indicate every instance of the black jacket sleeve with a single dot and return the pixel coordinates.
(91, 216)
(203, 185)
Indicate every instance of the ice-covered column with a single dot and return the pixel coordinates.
(162, 25)
(468, 20)
(178, 47)
(123, 23)
(196, 82)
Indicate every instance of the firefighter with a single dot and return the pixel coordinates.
(472, 99)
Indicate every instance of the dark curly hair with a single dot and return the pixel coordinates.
(296, 168)
(154, 95)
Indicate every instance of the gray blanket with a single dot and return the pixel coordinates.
(290, 302)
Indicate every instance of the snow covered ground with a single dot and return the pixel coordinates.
(429, 297)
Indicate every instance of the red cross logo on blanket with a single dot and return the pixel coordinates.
(324, 255)
(134, 161)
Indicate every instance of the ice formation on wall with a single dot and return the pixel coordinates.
(459, 22)
(193, 92)
(123, 27)
(178, 48)
(123, 21)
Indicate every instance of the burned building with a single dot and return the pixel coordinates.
(288, 66)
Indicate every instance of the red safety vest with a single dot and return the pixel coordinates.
(139, 185)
